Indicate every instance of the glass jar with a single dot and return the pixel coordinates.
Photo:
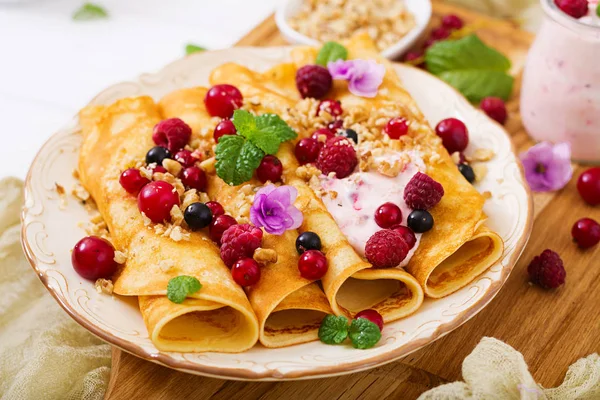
(560, 96)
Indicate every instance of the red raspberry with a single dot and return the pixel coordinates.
(338, 155)
(239, 241)
(422, 192)
(313, 81)
(547, 270)
(574, 8)
(172, 133)
(386, 249)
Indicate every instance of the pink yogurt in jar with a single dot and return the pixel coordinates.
(560, 97)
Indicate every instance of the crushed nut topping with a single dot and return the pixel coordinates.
(62, 195)
(169, 178)
(80, 192)
(482, 155)
(189, 197)
(165, 265)
(176, 215)
(104, 286)
(265, 256)
(306, 172)
(173, 167)
(147, 221)
(120, 257)
(480, 171)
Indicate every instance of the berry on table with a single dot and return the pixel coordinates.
(132, 180)
(452, 22)
(225, 127)
(194, 178)
(216, 208)
(185, 158)
(219, 225)
(422, 192)
(454, 134)
(386, 249)
(547, 270)
(350, 134)
(308, 241)
(495, 108)
(312, 265)
(574, 8)
(246, 272)
(388, 215)
(396, 127)
(94, 258)
(328, 133)
(172, 134)
(338, 155)
(269, 169)
(440, 33)
(157, 155)
(156, 199)
(371, 315)
(239, 241)
(407, 234)
(420, 221)
(467, 172)
(197, 216)
(588, 185)
(333, 107)
(313, 81)
(223, 100)
(586, 233)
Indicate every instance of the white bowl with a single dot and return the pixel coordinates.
(421, 9)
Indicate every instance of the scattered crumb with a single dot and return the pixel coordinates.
(482, 155)
(80, 193)
(265, 256)
(487, 195)
(104, 286)
(120, 257)
(173, 167)
(62, 195)
(165, 265)
(176, 215)
(147, 221)
(480, 171)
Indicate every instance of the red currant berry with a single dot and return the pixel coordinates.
(574, 8)
(157, 169)
(412, 56)
(407, 234)
(396, 127)
(372, 316)
(156, 200)
(495, 108)
(333, 107)
(388, 215)
(323, 131)
(219, 225)
(312, 265)
(440, 33)
(132, 181)
(194, 178)
(454, 134)
(215, 208)
(586, 232)
(429, 42)
(225, 127)
(186, 158)
(307, 150)
(588, 185)
(269, 169)
(94, 258)
(452, 22)
(334, 125)
(222, 100)
(246, 272)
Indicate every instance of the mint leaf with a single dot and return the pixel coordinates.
(266, 131)
(181, 286)
(237, 159)
(472, 67)
(88, 12)
(363, 333)
(244, 122)
(333, 330)
(331, 51)
(193, 48)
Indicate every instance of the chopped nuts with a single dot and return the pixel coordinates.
(147, 221)
(482, 155)
(189, 197)
(61, 194)
(80, 192)
(176, 215)
(120, 257)
(104, 286)
(172, 166)
(480, 171)
(306, 172)
(265, 256)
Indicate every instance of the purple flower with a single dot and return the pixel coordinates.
(364, 76)
(547, 167)
(273, 209)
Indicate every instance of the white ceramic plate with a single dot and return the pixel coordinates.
(421, 9)
(50, 231)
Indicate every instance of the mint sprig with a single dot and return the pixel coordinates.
(88, 12)
(472, 67)
(181, 286)
(331, 51)
(333, 330)
(363, 333)
(191, 48)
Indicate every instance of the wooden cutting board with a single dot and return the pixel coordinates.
(551, 328)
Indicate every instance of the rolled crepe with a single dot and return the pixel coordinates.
(289, 308)
(216, 318)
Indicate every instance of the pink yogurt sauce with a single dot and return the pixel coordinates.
(361, 193)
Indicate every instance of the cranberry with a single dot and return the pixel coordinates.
(396, 127)
(323, 131)
(215, 208)
(219, 225)
(495, 108)
(407, 234)
(388, 215)
(588, 185)
(94, 258)
(157, 169)
(225, 127)
(440, 33)
(429, 42)
(222, 100)
(269, 169)
(412, 56)
(452, 22)
(194, 178)
(454, 134)
(586, 232)
(333, 107)
(334, 125)
(246, 272)
(172, 134)
(132, 181)
(156, 200)
(372, 316)
(186, 158)
(312, 265)
(574, 8)
(307, 150)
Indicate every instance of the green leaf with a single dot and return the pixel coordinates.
(333, 330)
(598, 10)
(331, 51)
(363, 333)
(472, 67)
(237, 158)
(244, 122)
(88, 12)
(193, 48)
(266, 131)
(181, 286)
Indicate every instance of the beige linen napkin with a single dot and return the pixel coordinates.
(44, 354)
